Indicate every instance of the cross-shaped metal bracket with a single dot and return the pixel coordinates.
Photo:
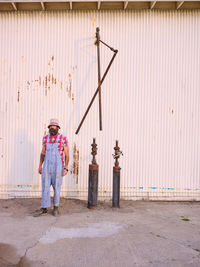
(100, 81)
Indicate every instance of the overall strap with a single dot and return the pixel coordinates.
(57, 138)
(48, 138)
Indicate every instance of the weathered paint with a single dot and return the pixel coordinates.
(75, 163)
(150, 100)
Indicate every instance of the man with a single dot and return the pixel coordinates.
(55, 155)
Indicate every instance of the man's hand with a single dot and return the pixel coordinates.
(40, 169)
(66, 152)
(42, 156)
(64, 172)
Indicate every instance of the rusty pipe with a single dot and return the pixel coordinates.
(99, 79)
(91, 102)
(116, 177)
(93, 179)
(112, 49)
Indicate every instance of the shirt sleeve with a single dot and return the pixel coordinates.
(65, 141)
(44, 141)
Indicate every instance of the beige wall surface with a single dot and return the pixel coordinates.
(150, 100)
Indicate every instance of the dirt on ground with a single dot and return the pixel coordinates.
(19, 207)
(148, 232)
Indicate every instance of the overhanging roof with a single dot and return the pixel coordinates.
(25, 5)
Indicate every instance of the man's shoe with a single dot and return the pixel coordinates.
(41, 212)
(55, 211)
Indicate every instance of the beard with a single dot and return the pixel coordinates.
(53, 131)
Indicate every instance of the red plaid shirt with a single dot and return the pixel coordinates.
(62, 142)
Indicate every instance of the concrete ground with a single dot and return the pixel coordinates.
(137, 234)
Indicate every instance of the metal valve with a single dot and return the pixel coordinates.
(116, 177)
(117, 154)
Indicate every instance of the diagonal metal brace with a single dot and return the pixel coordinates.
(95, 94)
(99, 78)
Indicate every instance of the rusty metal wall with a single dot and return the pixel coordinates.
(151, 96)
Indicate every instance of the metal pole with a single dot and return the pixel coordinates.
(111, 48)
(93, 179)
(91, 102)
(116, 178)
(99, 79)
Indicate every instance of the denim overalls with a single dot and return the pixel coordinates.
(51, 174)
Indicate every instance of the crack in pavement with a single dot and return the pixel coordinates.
(20, 263)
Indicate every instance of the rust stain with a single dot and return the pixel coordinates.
(73, 98)
(49, 77)
(77, 170)
(28, 84)
(70, 85)
(171, 110)
(45, 81)
(75, 166)
(18, 95)
(48, 81)
(53, 79)
(45, 84)
(93, 22)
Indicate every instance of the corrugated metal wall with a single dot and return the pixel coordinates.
(151, 96)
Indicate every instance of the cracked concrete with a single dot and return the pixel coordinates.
(137, 234)
(23, 260)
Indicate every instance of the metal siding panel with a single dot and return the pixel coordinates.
(150, 98)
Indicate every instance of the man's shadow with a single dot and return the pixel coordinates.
(21, 167)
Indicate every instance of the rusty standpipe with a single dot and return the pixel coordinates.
(116, 177)
(99, 77)
(93, 179)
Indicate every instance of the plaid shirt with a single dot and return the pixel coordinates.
(62, 142)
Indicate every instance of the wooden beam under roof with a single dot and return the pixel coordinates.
(125, 4)
(152, 4)
(25, 5)
(70, 5)
(99, 5)
(179, 4)
(42, 4)
(14, 6)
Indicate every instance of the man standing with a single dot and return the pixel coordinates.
(55, 155)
